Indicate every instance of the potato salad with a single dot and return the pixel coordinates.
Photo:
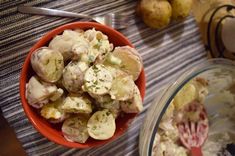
(82, 81)
(167, 139)
(216, 91)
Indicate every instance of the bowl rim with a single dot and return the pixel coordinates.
(23, 80)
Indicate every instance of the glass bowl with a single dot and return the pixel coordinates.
(219, 102)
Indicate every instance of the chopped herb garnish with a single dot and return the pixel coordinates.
(94, 127)
(94, 68)
(98, 45)
(47, 62)
(123, 66)
(97, 118)
(101, 80)
(72, 63)
(91, 58)
(108, 113)
(129, 102)
(59, 61)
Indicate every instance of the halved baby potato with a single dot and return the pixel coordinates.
(48, 64)
(186, 95)
(65, 43)
(97, 80)
(131, 60)
(53, 112)
(134, 105)
(101, 98)
(39, 93)
(101, 125)
(106, 102)
(113, 106)
(74, 129)
(77, 104)
(122, 87)
(73, 77)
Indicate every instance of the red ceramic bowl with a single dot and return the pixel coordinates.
(53, 132)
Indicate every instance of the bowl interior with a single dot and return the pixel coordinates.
(53, 131)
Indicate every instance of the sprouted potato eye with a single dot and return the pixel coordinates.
(93, 83)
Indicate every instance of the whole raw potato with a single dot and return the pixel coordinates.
(181, 8)
(155, 13)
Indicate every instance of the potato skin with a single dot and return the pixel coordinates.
(181, 8)
(155, 13)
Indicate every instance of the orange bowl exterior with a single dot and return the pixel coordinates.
(53, 132)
